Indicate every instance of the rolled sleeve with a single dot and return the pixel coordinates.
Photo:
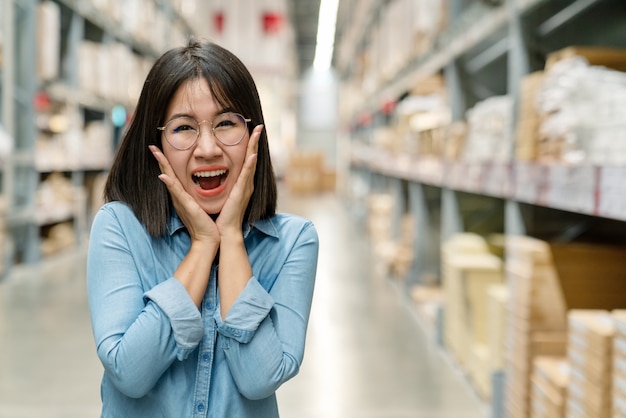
(246, 314)
(185, 318)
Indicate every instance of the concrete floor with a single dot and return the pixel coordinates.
(366, 356)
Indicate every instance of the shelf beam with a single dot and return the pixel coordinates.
(488, 56)
(564, 16)
(451, 45)
(88, 11)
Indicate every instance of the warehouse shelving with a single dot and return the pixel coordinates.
(51, 113)
(485, 50)
(18, 87)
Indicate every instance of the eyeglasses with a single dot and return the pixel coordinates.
(183, 132)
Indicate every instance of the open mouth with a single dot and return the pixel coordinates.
(209, 180)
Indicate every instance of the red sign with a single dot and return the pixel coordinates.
(272, 22)
(218, 21)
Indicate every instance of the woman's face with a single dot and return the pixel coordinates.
(208, 170)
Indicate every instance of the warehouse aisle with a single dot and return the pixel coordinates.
(366, 357)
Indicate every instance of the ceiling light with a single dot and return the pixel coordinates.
(325, 34)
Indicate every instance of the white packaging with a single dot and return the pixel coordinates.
(48, 40)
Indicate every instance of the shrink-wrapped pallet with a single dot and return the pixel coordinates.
(619, 365)
(468, 272)
(549, 387)
(590, 355)
(536, 318)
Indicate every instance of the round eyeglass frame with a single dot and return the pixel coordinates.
(164, 130)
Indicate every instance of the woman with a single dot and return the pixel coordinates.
(199, 292)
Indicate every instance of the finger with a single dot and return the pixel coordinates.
(253, 144)
(252, 151)
(164, 164)
(167, 176)
(249, 167)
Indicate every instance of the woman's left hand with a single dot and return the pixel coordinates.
(230, 218)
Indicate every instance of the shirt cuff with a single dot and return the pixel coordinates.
(246, 314)
(185, 318)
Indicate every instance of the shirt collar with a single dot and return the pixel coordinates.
(265, 226)
(174, 223)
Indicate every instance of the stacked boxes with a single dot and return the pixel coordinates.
(405, 30)
(306, 173)
(526, 146)
(585, 81)
(589, 352)
(498, 300)
(619, 364)
(393, 254)
(549, 387)
(562, 295)
(489, 127)
(468, 272)
(56, 198)
(536, 318)
(577, 83)
(111, 71)
(48, 40)
(380, 210)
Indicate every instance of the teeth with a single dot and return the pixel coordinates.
(214, 173)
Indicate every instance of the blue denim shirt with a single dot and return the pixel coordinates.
(162, 356)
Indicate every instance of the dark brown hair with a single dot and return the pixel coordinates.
(133, 176)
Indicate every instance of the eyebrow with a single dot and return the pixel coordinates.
(187, 115)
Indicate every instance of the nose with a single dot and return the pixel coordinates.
(208, 145)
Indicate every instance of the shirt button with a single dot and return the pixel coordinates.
(206, 357)
(200, 407)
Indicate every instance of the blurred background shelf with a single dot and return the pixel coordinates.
(498, 120)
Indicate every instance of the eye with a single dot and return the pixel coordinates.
(181, 128)
(227, 121)
(182, 125)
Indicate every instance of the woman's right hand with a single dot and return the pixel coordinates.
(199, 224)
(194, 270)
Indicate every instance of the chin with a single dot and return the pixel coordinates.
(211, 210)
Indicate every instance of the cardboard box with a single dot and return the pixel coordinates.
(520, 362)
(591, 275)
(538, 298)
(614, 58)
(595, 399)
(479, 370)
(304, 172)
(497, 299)
(527, 131)
(48, 40)
(465, 280)
(619, 318)
(549, 387)
(591, 331)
